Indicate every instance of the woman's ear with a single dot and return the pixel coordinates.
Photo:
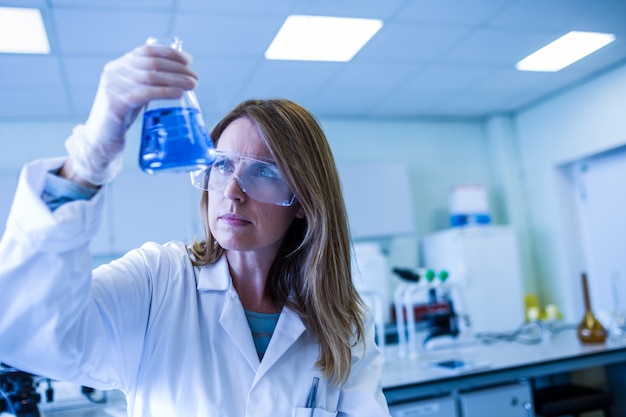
(300, 213)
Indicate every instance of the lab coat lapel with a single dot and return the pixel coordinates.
(233, 320)
(288, 329)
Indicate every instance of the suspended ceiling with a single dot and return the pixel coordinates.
(432, 58)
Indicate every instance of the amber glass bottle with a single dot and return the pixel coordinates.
(590, 330)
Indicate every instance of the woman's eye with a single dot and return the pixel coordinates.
(268, 172)
(222, 165)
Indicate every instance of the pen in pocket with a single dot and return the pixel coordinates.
(310, 402)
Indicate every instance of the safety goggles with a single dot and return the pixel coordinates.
(260, 179)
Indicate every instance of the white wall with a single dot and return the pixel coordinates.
(581, 122)
(516, 157)
(24, 141)
(439, 154)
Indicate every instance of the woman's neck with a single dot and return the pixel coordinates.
(249, 274)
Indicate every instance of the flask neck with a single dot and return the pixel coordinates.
(586, 293)
(173, 42)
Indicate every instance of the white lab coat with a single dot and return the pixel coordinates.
(172, 336)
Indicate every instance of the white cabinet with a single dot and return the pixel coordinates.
(484, 261)
(434, 407)
(513, 400)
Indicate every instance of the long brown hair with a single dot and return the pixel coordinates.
(312, 271)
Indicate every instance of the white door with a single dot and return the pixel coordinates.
(601, 193)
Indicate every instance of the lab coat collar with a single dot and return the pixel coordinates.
(234, 322)
(289, 328)
(215, 277)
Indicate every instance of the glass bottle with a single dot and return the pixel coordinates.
(174, 137)
(590, 330)
(617, 329)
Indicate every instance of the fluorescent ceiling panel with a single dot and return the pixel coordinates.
(320, 38)
(564, 51)
(22, 31)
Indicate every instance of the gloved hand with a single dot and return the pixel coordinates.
(126, 85)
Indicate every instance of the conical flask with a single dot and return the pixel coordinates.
(174, 137)
(590, 330)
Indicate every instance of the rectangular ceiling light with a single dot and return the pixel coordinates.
(22, 31)
(564, 51)
(319, 38)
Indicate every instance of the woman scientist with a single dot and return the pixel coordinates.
(259, 319)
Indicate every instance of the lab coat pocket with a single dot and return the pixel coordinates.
(317, 412)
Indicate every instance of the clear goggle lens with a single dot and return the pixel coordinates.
(260, 179)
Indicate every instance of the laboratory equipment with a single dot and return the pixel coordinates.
(485, 264)
(400, 318)
(17, 392)
(404, 311)
(468, 205)
(617, 328)
(424, 311)
(369, 274)
(174, 137)
(441, 322)
(590, 330)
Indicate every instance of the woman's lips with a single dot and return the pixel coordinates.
(234, 220)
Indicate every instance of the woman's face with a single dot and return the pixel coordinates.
(237, 221)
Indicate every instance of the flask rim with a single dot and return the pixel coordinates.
(172, 41)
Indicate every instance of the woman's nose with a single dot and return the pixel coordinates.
(233, 189)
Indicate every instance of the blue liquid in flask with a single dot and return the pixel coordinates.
(174, 139)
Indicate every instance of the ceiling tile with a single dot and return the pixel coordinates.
(105, 32)
(466, 13)
(119, 4)
(367, 76)
(281, 78)
(348, 8)
(220, 82)
(342, 102)
(497, 48)
(29, 71)
(469, 104)
(236, 6)
(41, 4)
(404, 103)
(205, 34)
(410, 43)
(36, 102)
(85, 71)
(509, 81)
(445, 79)
(608, 17)
(554, 15)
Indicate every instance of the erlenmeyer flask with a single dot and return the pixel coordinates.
(590, 330)
(174, 137)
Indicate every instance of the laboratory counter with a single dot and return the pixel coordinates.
(499, 364)
(412, 377)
